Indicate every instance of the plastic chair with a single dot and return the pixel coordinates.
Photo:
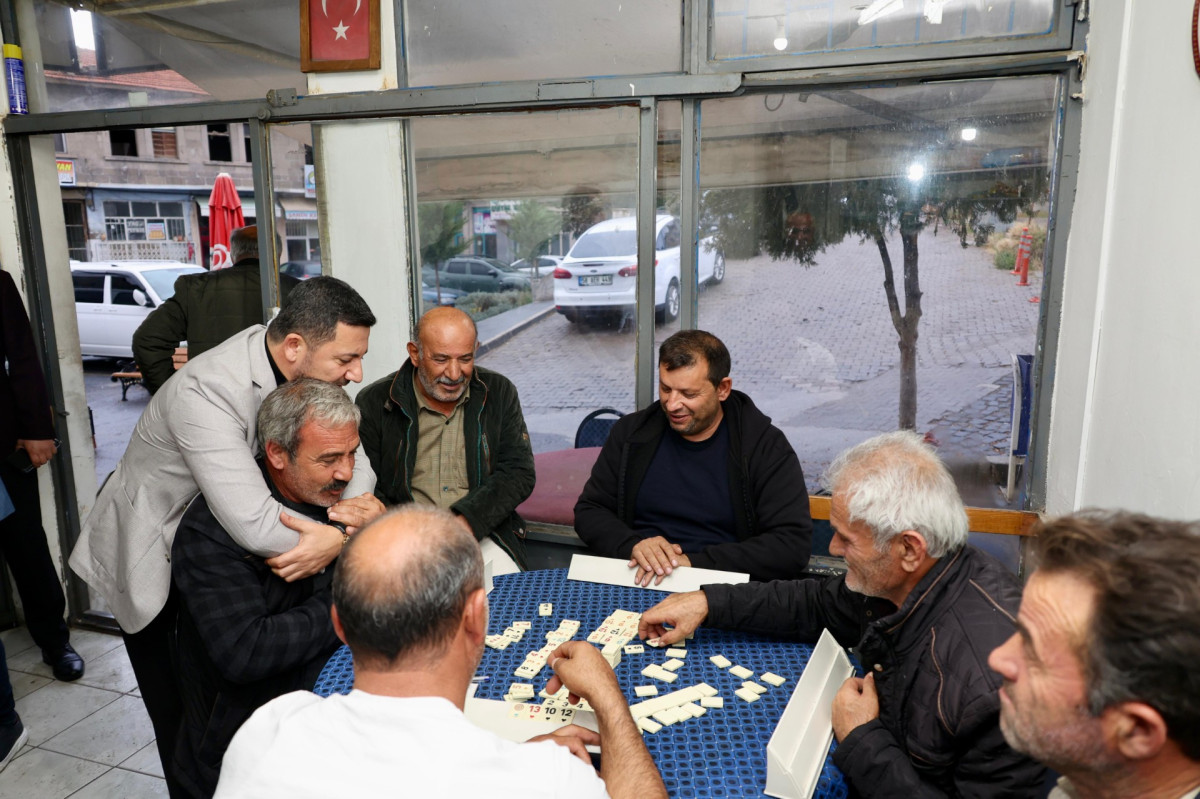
(593, 430)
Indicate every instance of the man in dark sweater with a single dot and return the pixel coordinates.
(246, 635)
(701, 478)
(923, 610)
(206, 309)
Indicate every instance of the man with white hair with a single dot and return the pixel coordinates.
(922, 609)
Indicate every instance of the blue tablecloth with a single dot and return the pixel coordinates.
(721, 754)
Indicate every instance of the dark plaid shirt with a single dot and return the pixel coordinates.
(245, 636)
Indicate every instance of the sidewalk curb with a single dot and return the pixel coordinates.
(500, 338)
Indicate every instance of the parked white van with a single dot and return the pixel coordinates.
(113, 297)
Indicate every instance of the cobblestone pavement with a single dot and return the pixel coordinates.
(815, 348)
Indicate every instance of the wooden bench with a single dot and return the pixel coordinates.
(128, 380)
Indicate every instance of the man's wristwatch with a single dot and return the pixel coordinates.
(341, 528)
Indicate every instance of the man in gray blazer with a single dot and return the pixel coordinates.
(197, 435)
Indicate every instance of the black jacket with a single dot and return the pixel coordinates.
(500, 470)
(24, 404)
(770, 500)
(245, 637)
(206, 309)
(938, 732)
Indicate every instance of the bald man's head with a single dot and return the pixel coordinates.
(444, 354)
(402, 584)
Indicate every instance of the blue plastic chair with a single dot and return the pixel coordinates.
(593, 430)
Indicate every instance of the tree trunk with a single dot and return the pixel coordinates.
(908, 331)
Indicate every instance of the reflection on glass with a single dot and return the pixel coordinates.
(120, 55)
(452, 43)
(501, 200)
(869, 246)
(767, 27)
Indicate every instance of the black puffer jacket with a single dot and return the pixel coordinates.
(766, 484)
(938, 731)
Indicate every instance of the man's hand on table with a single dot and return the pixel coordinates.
(683, 612)
(855, 703)
(580, 666)
(319, 544)
(356, 512)
(574, 737)
(655, 558)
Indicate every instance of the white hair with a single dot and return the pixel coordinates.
(896, 482)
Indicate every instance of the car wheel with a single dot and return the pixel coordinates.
(718, 270)
(670, 309)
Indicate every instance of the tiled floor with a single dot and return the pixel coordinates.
(88, 739)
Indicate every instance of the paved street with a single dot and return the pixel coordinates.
(816, 350)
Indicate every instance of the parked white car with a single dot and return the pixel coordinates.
(113, 297)
(599, 275)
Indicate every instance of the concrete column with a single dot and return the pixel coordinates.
(361, 200)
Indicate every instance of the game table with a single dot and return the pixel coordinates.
(720, 754)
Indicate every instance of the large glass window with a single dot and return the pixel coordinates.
(452, 43)
(869, 237)
(750, 28)
(497, 189)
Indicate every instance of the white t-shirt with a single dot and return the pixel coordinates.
(360, 744)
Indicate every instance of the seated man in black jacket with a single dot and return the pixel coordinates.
(924, 611)
(245, 635)
(700, 478)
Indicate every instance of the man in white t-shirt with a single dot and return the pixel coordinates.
(409, 601)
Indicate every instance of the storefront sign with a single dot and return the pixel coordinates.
(339, 35)
(156, 231)
(66, 172)
(310, 181)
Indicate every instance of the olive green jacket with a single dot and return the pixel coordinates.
(206, 309)
(500, 470)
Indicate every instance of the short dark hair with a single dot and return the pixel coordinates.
(389, 615)
(315, 307)
(1143, 641)
(683, 348)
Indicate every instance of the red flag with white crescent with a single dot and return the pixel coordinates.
(339, 30)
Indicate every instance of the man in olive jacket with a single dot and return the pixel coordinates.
(206, 309)
(442, 431)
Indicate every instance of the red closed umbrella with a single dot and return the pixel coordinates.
(224, 217)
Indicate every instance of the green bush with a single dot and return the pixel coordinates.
(1005, 259)
(482, 304)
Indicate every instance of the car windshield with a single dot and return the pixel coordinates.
(605, 244)
(163, 280)
(503, 267)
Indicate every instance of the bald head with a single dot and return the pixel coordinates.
(444, 356)
(402, 584)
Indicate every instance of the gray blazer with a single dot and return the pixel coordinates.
(197, 435)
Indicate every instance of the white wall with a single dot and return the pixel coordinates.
(1125, 424)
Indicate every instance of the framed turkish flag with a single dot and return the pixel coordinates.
(339, 35)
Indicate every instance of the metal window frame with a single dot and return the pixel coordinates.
(704, 79)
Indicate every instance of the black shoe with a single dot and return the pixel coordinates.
(12, 738)
(66, 663)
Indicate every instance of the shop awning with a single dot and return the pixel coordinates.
(299, 209)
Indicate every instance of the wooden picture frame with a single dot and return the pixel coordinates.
(330, 54)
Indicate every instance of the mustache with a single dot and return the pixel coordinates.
(337, 485)
(445, 381)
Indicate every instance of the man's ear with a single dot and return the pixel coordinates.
(913, 550)
(412, 353)
(338, 630)
(724, 387)
(1135, 729)
(277, 456)
(475, 616)
(292, 351)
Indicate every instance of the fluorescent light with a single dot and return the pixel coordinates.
(916, 172)
(781, 41)
(969, 134)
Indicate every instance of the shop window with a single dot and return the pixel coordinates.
(220, 145)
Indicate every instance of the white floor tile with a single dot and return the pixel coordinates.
(90, 645)
(46, 775)
(24, 684)
(146, 761)
(121, 784)
(16, 641)
(48, 711)
(110, 671)
(110, 735)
